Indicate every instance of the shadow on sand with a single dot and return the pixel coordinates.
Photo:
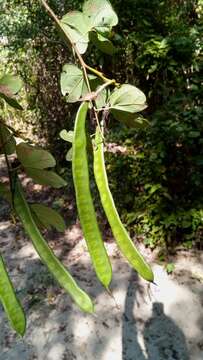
(163, 339)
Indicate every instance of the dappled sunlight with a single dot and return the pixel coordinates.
(118, 329)
(101, 163)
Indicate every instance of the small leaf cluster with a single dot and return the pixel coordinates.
(36, 162)
(93, 23)
(123, 102)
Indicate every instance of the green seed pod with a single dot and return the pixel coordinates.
(84, 200)
(10, 302)
(122, 238)
(57, 269)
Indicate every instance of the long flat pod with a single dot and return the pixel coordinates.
(124, 242)
(10, 301)
(84, 200)
(46, 254)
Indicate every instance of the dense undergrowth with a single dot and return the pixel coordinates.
(157, 181)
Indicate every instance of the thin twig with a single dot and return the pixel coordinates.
(84, 66)
(101, 75)
(16, 133)
(73, 45)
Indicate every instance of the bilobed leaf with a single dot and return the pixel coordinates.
(76, 37)
(102, 43)
(48, 217)
(33, 157)
(101, 15)
(11, 84)
(45, 177)
(76, 25)
(7, 141)
(78, 21)
(127, 98)
(72, 83)
(66, 135)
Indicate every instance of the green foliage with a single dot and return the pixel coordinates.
(31, 47)
(124, 102)
(72, 83)
(101, 15)
(170, 268)
(10, 86)
(75, 25)
(157, 178)
(7, 141)
(66, 135)
(32, 157)
(160, 173)
(10, 302)
(34, 161)
(47, 217)
(45, 177)
(95, 23)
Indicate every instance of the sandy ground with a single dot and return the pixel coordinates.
(163, 322)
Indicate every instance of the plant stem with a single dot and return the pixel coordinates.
(102, 87)
(82, 63)
(101, 75)
(73, 45)
(7, 161)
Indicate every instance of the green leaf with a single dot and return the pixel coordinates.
(78, 21)
(69, 154)
(8, 143)
(11, 84)
(45, 177)
(11, 101)
(128, 99)
(101, 15)
(66, 135)
(77, 26)
(131, 120)
(47, 256)
(10, 301)
(101, 99)
(102, 43)
(194, 134)
(34, 157)
(48, 217)
(76, 37)
(170, 268)
(154, 188)
(72, 83)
